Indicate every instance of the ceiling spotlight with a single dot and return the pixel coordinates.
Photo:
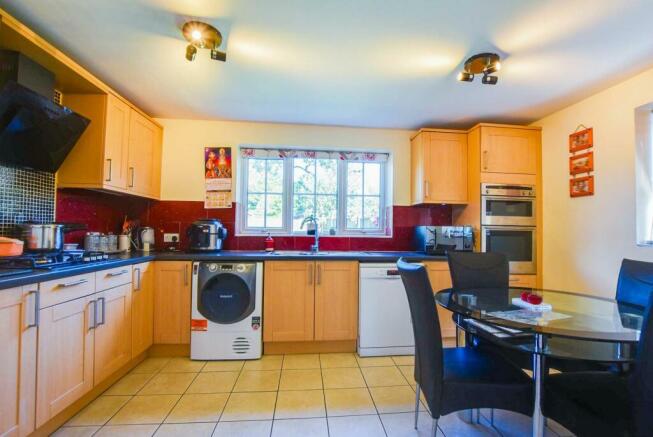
(464, 76)
(202, 36)
(483, 63)
(489, 80)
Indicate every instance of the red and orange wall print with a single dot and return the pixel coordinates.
(581, 162)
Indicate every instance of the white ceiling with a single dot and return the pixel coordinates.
(367, 63)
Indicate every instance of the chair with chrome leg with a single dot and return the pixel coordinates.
(460, 378)
(604, 403)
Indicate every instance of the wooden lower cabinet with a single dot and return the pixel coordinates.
(310, 301)
(113, 334)
(142, 307)
(65, 356)
(288, 301)
(336, 300)
(440, 278)
(17, 361)
(172, 288)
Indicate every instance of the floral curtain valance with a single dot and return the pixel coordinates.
(259, 152)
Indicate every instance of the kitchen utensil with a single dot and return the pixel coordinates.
(92, 241)
(207, 235)
(11, 247)
(45, 237)
(146, 238)
(124, 243)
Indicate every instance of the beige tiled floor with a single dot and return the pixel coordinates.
(290, 395)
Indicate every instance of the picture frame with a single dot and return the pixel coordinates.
(581, 140)
(583, 186)
(582, 163)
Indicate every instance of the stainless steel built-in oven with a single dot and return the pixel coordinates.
(518, 243)
(508, 205)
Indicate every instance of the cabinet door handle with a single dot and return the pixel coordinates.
(427, 189)
(103, 312)
(186, 274)
(137, 270)
(73, 283)
(484, 159)
(131, 182)
(319, 274)
(310, 274)
(108, 179)
(94, 313)
(37, 305)
(120, 273)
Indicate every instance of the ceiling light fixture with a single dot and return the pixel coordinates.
(202, 36)
(483, 63)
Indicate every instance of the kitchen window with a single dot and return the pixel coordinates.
(345, 191)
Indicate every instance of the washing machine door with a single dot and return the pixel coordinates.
(225, 298)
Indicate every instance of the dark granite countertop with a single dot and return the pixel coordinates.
(225, 255)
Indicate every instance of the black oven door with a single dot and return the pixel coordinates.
(508, 211)
(517, 243)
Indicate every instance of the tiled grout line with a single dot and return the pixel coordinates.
(180, 398)
(276, 398)
(130, 396)
(326, 413)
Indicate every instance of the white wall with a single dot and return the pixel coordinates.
(586, 238)
(184, 142)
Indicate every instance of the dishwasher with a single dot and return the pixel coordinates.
(384, 323)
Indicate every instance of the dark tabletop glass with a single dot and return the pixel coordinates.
(608, 329)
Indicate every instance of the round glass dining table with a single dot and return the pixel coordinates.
(566, 325)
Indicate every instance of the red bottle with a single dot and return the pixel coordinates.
(269, 243)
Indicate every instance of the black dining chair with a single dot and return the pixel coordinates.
(478, 270)
(604, 403)
(455, 379)
(635, 283)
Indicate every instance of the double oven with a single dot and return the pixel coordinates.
(508, 224)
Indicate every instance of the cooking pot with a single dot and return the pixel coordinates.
(44, 237)
(206, 235)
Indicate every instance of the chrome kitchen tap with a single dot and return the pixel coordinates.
(311, 219)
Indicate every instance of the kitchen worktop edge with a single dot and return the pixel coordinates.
(225, 255)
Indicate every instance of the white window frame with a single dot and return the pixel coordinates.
(288, 197)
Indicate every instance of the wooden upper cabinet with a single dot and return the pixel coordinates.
(439, 167)
(440, 279)
(509, 150)
(116, 143)
(172, 288)
(18, 361)
(336, 300)
(120, 150)
(65, 356)
(144, 159)
(113, 346)
(288, 302)
(142, 307)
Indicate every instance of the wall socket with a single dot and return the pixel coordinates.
(170, 238)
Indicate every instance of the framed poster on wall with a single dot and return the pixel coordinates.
(581, 140)
(579, 187)
(583, 163)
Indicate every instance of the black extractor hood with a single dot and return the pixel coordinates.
(35, 132)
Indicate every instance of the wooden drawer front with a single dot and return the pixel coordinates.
(110, 278)
(527, 281)
(65, 289)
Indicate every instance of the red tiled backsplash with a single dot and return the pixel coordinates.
(105, 213)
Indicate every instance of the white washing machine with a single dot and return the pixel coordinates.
(227, 304)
